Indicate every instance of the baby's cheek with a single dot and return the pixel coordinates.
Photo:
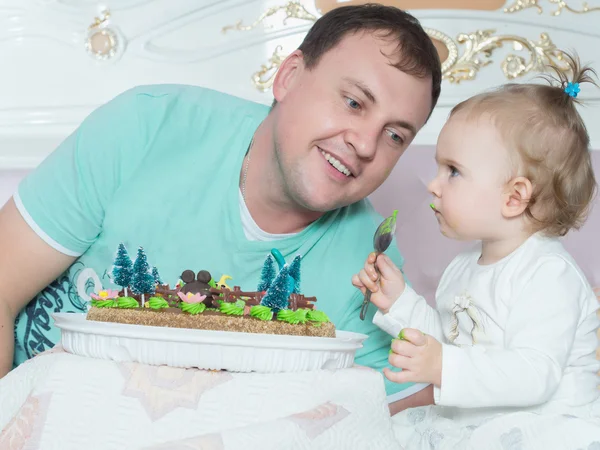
(446, 227)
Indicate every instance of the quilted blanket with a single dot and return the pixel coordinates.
(62, 401)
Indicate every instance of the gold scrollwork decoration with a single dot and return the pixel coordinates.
(450, 45)
(477, 53)
(520, 5)
(103, 41)
(98, 21)
(480, 45)
(293, 10)
(263, 79)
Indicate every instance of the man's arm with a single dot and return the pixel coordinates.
(422, 398)
(58, 211)
(27, 265)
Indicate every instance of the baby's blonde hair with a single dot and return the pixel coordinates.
(541, 124)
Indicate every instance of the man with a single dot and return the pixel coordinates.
(203, 180)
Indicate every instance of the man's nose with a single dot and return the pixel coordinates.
(363, 139)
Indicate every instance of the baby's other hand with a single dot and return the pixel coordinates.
(385, 288)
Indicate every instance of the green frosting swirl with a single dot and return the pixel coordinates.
(285, 315)
(261, 312)
(293, 317)
(192, 308)
(127, 302)
(317, 316)
(301, 315)
(110, 303)
(231, 309)
(157, 303)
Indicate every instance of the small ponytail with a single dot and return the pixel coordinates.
(569, 82)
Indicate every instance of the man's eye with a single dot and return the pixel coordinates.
(396, 137)
(352, 103)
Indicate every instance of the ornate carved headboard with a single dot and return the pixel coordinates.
(63, 58)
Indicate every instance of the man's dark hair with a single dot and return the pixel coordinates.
(416, 54)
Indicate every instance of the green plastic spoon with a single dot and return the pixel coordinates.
(381, 241)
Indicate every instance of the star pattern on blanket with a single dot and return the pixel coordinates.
(318, 420)
(161, 389)
(25, 428)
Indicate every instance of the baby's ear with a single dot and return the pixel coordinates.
(516, 198)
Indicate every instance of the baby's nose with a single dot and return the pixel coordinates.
(434, 187)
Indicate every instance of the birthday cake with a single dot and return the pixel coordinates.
(198, 301)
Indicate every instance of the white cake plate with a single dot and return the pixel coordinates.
(205, 349)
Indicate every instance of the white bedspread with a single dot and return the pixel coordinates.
(62, 401)
(429, 428)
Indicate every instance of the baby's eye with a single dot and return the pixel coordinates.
(453, 171)
(352, 103)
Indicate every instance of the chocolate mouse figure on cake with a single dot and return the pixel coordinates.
(198, 284)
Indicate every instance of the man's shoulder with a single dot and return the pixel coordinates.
(190, 95)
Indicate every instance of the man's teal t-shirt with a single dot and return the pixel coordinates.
(158, 167)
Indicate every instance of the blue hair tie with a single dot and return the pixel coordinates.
(572, 89)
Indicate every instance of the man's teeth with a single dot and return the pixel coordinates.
(335, 163)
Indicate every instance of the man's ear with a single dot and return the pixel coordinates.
(287, 74)
(516, 198)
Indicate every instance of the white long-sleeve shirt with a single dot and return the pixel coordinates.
(517, 333)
